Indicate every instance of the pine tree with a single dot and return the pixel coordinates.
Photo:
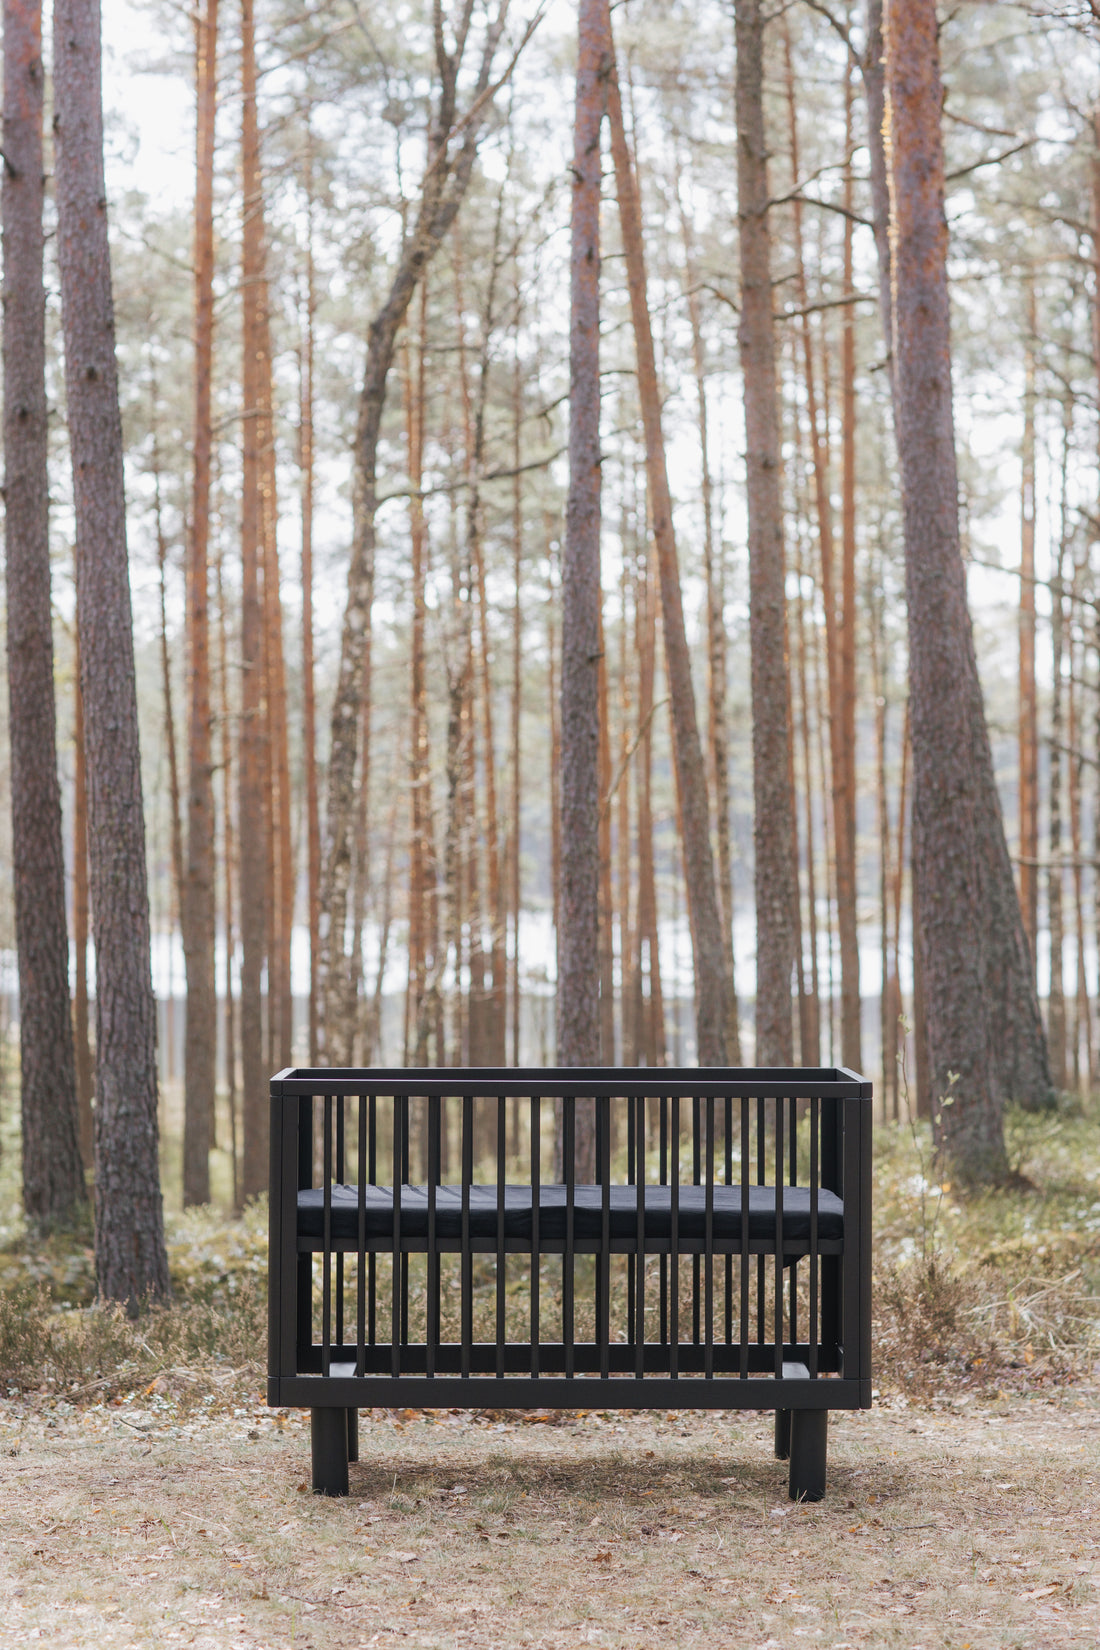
(131, 1261)
(53, 1176)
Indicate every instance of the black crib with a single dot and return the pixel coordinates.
(592, 1239)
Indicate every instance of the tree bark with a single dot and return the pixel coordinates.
(131, 1261)
(197, 913)
(946, 791)
(578, 933)
(708, 948)
(773, 830)
(85, 1065)
(1028, 704)
(843, 737)
(717, 681)
(309, 701)
(1056, 1001)
(252, 763)
(53, 1174)
(1018, 1045)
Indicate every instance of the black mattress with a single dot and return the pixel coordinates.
(587, 1213)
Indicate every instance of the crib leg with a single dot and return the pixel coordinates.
(809, 1441)
(328, 1435)
(782, 1434)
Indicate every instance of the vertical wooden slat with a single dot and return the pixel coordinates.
(395, 1280)
(812, 1329)
(728, 1144)
(745, 1261)
(372, 1263)
(502, 1124)
(639, 1275)
(603, 1270)
(361, 1244)
(674, 1246)
(569, 1142)
(696, 1180)
(326, 1244)
(432, 1305)
(341, 1176)
(467, 1285)
(536, 1191)
(631, 1268)
(778, 1331)
(708, 1249)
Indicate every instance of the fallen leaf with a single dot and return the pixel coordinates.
(405, 1558)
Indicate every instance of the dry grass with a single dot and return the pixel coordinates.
(974, 1526)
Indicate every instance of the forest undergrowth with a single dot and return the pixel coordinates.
(995, 1293)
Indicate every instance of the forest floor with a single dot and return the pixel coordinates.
(148, 1497)
(968, 1524)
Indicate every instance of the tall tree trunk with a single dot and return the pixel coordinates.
(1082, 1018)
(606, 897)
(53, 1175)
(708, 948)
(774, 832)
(578, 935)
(175, 823)
(1056, 872)
(1028, 704)
(197, 901)
(844, 729)
(649, 1009)
(420, 823)
(515, 885)
(85, 1082)
(131, 1261)
(252, 763)
(946, 795)
(1018, 1046)
(228, 850)
(717, 683)
(309, 704)
(281, 923)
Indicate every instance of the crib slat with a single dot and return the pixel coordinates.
(536, 1190)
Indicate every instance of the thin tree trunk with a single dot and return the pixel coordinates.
(421, 964)
(175, 823)
(947, 842)
(1056, 1002)
(309, 703)
(85, 1082)
(607, 904)
(228, 849)
(844, 729)
(1082, 1022)
(280, 1002)
(53, 1174)
(774, 831)
(809, 1028)
(708, 948)
(1028, 704)
(717, 737)
(131, 1261)
(649, 1013)
(517, 699)
(578, 935)
(252, 763)
(197, 899)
